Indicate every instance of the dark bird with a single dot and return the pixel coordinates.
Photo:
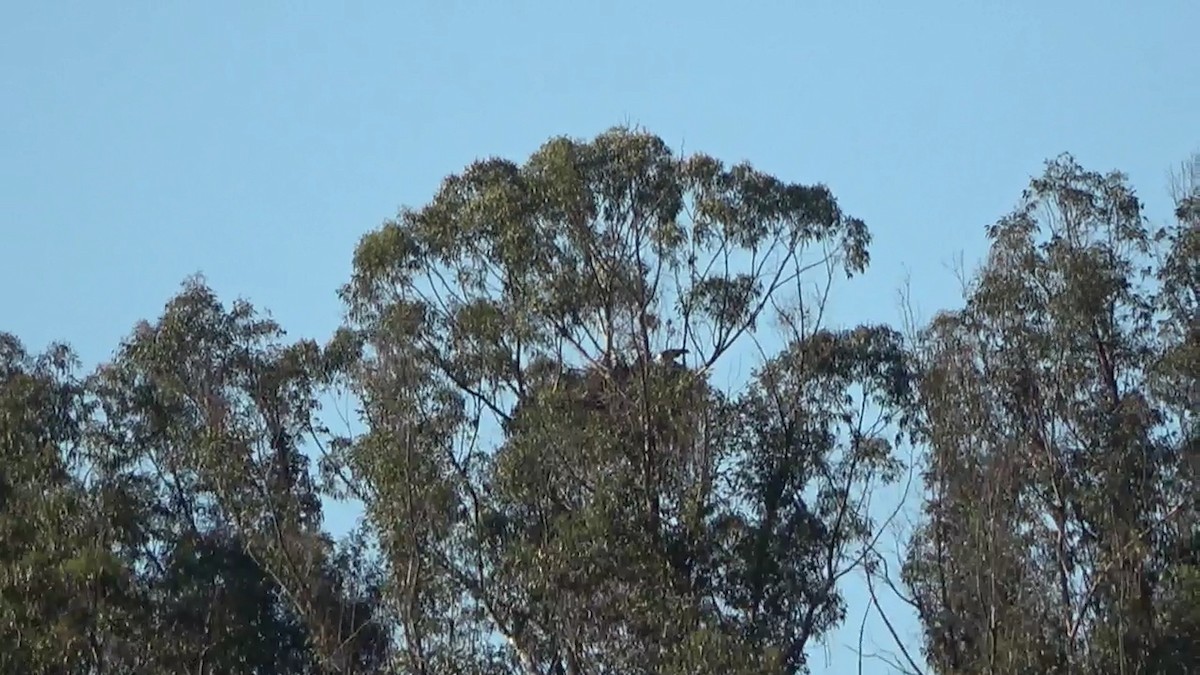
(670, 355)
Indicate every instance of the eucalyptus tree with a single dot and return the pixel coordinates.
(554, 481)
(158, 516)
(206, 410)
(59, 581)
(1059, 409)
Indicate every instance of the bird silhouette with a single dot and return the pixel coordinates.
(671, 355)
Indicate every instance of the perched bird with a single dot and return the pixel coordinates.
(670, 355)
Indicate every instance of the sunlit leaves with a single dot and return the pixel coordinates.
(592, 242)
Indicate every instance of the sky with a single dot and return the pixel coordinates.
(255, 142)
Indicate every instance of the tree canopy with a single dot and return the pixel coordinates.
(552, 482)
(1059, 410)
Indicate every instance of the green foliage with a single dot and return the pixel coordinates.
(550, 480)
(1059, 409)
(166, 496)
(566, 493)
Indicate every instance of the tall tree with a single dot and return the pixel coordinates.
(210, 408)
(1059, 407)
(555, 484)
(64, 591)
(159, 515)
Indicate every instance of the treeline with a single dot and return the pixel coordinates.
(551, 482)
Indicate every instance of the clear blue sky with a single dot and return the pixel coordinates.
(255, 142)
